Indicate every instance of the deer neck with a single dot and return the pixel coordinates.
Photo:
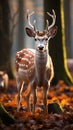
(40, 65)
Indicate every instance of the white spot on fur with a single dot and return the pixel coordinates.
(21, 65)
(22, 70)
(26, 66)
(25, 59)
(20, 57)
(16, 61)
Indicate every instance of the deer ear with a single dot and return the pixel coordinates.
(52, 32)
(30, 32)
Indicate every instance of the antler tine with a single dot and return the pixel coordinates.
(34, 25)
(53, 16)
(28, 18)
(47, 24)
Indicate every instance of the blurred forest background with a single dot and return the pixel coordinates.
(13, 36)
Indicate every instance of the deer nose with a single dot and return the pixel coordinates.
(40, 47)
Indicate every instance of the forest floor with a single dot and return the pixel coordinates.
(61, 93)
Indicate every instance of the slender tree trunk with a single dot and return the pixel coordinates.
(21, 25)
(67, 17)
(57, 44)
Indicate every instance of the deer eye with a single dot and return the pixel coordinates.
(35, 39)
(46, 39)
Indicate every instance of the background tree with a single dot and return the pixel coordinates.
(57, 44)
(5, 44)
(7, 26)
(20, 37)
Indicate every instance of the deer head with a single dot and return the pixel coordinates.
(42, 38)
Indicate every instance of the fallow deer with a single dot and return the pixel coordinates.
(34, 66)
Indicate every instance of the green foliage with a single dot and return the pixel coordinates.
(5, 117)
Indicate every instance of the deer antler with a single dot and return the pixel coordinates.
(53, 16)
(28, 18)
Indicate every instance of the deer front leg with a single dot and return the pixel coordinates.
(20, 88)
(45, 90)
(33, 97)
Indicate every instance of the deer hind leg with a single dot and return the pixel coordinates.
(28, 100)
(20, 88)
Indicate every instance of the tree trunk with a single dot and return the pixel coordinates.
(5, 43)
(20, 25)
(57, 44)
